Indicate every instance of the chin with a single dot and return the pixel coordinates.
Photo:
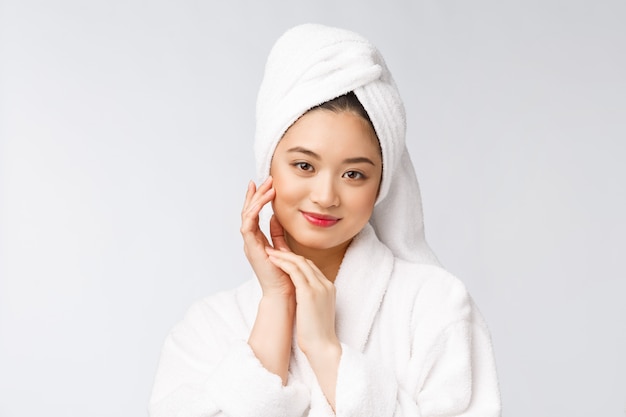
(305, 240)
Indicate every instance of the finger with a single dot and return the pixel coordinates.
(311, 272)
(249, 194)
(304, 263)
(277, 232)
(250, 190)
(267, 183)
(253, 209)
(292, 270)
(250, 213)
(251, 232)
(263, 188)
(250, 219)
(263, 195)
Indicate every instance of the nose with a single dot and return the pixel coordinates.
(324, 192)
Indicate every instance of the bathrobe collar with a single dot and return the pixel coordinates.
(361, 284)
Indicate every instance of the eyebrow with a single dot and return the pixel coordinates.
(355, 160)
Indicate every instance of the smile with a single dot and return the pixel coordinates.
(320, 220)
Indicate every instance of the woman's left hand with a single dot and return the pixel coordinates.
(315, 298)
(315, 317)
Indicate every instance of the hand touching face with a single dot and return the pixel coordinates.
(273, 280)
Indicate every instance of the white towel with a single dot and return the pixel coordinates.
(311, 64)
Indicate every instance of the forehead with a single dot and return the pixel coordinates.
(329, 130)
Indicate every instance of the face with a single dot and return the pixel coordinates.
(326, 169)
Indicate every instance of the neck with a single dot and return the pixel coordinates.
(327, 260)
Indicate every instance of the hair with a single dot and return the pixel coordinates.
(347, 102)
(350, 102)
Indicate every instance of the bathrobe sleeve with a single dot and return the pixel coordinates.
(207, 369)
(450, 372)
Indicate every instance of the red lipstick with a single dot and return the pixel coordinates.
(320, 220)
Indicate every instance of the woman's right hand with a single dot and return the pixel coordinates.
(274, 281)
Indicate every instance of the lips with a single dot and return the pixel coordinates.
(320, 220)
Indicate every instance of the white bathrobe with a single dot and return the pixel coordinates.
(414, 344)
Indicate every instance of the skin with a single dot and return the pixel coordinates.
(323, 184)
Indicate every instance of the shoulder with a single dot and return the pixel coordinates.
(225, 312)
(431, 280)
(431, 291)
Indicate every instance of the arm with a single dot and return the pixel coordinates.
(315, 318)
(207, 369)
(271, 335)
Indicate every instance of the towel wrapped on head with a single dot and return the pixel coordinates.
(311, 64)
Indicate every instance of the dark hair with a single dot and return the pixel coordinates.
(346, 102)
(350, 102)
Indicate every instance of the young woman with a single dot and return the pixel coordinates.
(349, 313)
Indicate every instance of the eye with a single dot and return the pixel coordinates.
(303, 166)
(354, 175)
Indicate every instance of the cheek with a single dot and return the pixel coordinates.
(287, 190)
(365, 201)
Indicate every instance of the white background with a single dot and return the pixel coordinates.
(126, 144)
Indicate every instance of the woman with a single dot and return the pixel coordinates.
(349, 313)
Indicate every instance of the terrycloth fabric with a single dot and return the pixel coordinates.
(413, 345)
(311, 64)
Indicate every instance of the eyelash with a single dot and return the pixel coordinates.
(359, 175)
(303, 166)
(306, 167)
